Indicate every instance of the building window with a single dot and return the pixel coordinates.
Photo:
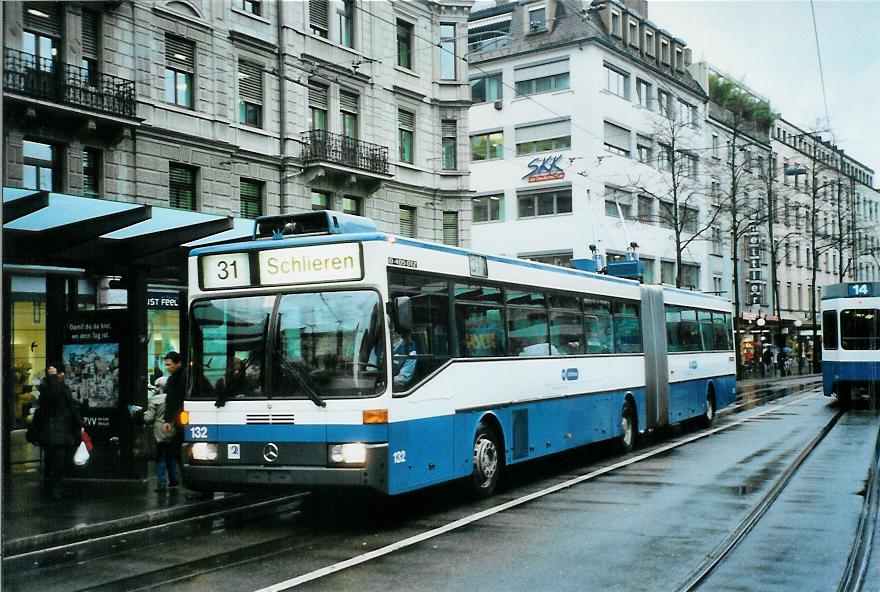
(562, 259)
(644, 149)
(715, 146)
(679, 59)
(646, 209)
(544, 203)
(664, 162)
(249, 6)
(317, 106)
(649, 42)
(690, 218)
(319, 11)
(487, 146)
(486, 88)
(404, 44)
(486, 37)
(91, 172)
(488, 208)
(543, 137)
(352, 205)
(617, 139)
(450, 228)
(179, 68)
(345, 19)
(643, 92)
(250, 93)
(634, 33)
(348, 113)
(615, 23)
(616, 82)
(537, 20)
(91, 35)
(691, 165)
(690, 276)
(541, 78)
(667, 272)
(664, 51)
(181, 186)
(40, 165)
(449, 140)
(321, 200)
(405, 127)
(43, 25)
(615, 197)
(251, 198)
(664, 103)
(717, 244)
(448, 56)
(408, 221)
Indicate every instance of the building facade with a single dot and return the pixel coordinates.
(239, 108)
(587, 128)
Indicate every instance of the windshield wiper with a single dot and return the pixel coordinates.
(294, 371)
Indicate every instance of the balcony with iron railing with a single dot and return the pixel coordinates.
(51, 80)
(322, 146)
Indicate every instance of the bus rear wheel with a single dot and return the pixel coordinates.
(627, 440)
(487, 462)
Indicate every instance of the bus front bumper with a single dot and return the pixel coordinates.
(208, 476)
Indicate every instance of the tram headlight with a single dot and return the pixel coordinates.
(354, 453)
(204, 451)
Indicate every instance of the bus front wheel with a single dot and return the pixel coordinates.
(487, 462)
(709, 415)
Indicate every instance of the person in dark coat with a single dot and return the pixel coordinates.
(60, 427)
(175, 390)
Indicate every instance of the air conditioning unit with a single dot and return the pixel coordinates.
(498, 105)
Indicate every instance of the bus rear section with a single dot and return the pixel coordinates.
(851, 341)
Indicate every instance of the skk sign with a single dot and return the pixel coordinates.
(544, 169)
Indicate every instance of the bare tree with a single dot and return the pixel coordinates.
(680, 193)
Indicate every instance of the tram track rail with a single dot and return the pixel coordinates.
(860, 557)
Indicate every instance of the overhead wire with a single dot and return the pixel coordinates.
(819, 56)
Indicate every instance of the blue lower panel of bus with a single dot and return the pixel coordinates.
(834, 372)
(688, 398)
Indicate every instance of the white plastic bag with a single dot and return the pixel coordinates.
(82, 455)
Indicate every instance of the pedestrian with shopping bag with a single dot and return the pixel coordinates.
(59, 427)
(166, 451)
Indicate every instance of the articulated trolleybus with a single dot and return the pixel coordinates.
(851, 340)
(325, 353)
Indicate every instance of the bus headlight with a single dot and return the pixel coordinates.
(354, 453)
(204, 451)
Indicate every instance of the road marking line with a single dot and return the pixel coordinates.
(415, 539)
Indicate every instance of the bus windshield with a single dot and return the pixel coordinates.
(325, 344)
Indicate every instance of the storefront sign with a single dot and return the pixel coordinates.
(163, 300)
(544, 169)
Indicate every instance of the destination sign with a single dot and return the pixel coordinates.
(860, 289)
(302, 265)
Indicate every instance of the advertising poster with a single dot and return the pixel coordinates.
(91, 356)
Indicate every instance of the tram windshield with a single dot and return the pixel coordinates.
(860, 328)
(323, 344)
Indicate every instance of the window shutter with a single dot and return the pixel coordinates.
(529, 72)
(250, 81)
(318, 14)
(181, 185)
(407, 221)
(405, 119)
(50, 24)
(90, 28)
(555, 129)
(449, 128)
(617, 136)
(450, 228)
(251, 199)
(404, 43)
(317, 95)
(179, 53)
(348, 101)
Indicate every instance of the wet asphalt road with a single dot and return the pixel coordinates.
(644, 526)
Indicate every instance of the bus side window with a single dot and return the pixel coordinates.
(480, 330)
(600, 338)
(706, 330)
(566, 333)
(719, 328)
(627, 331)
(690, 331)
(673, 329)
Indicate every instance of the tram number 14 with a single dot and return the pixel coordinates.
(399, 456)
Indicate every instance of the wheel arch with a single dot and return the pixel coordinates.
(491, 420)
(629, 396)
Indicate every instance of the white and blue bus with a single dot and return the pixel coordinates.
(325, 353)
(851, 340)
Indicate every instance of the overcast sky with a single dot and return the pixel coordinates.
(771, 47)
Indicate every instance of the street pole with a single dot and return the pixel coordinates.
(813, 261)
(771, 208)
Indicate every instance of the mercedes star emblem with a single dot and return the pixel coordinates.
(270, 452)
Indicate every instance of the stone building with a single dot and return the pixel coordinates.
(244, 108)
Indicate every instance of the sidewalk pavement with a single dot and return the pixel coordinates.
(32, 520)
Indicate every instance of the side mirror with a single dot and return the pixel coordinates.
(403, 322)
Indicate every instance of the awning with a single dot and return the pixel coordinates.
(107, 237)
